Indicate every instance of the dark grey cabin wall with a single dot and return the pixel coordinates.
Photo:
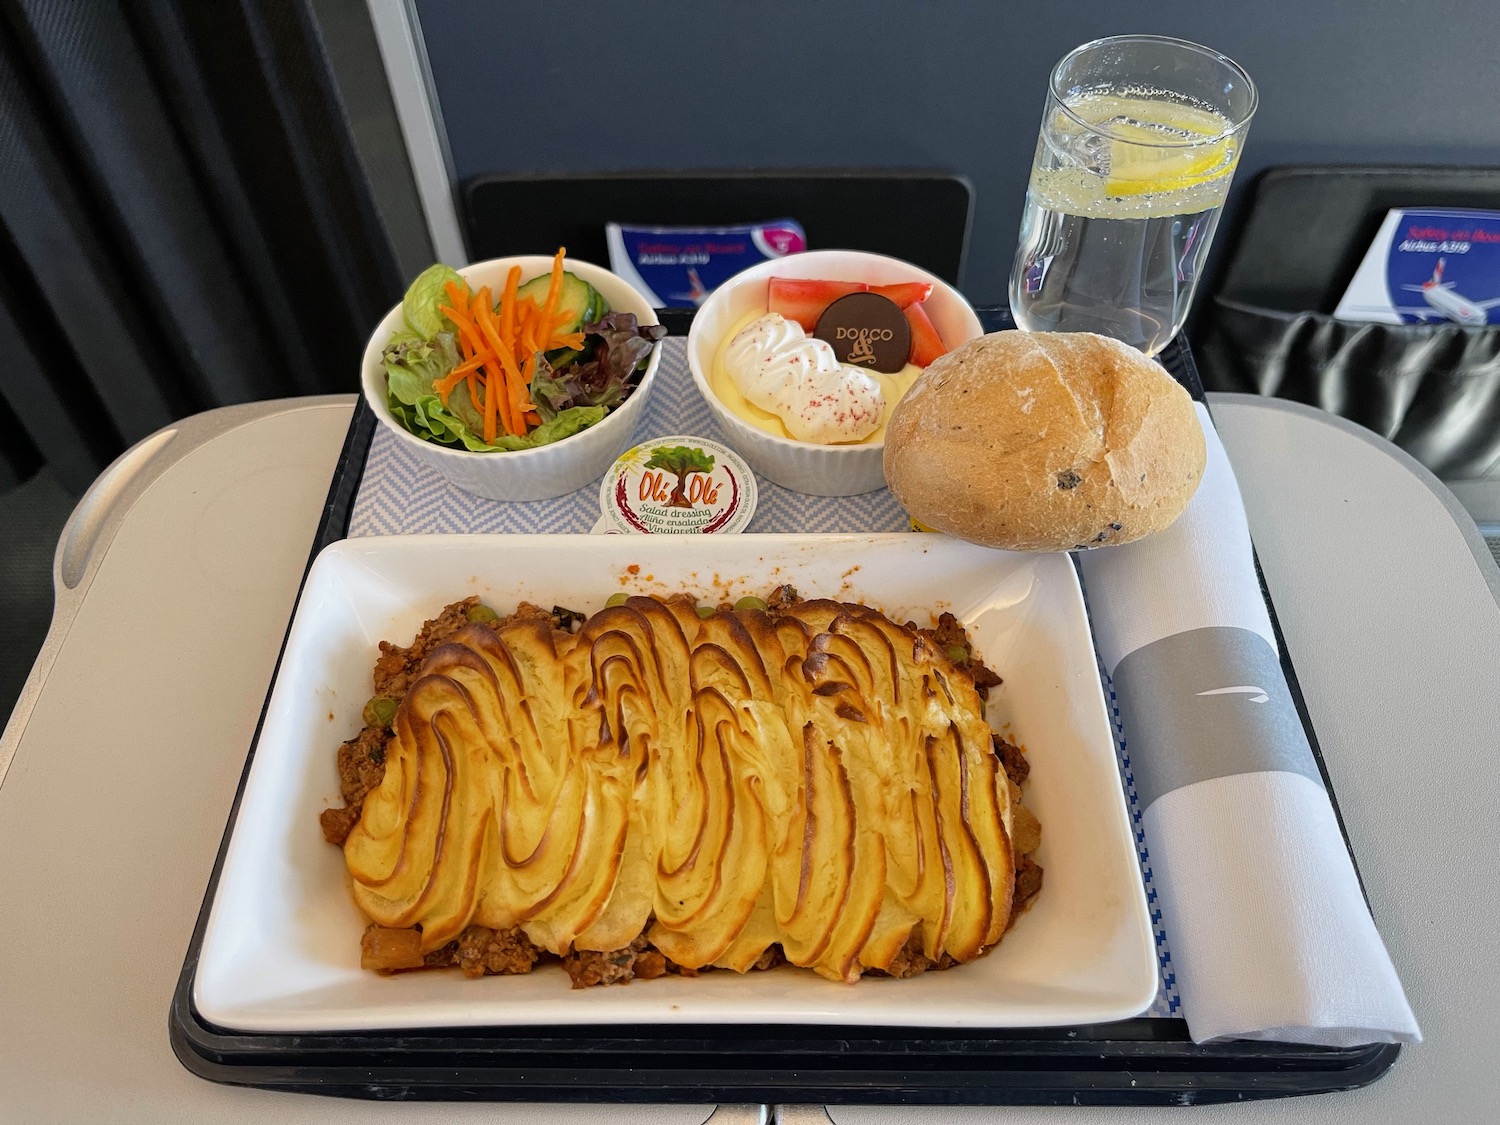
(594, 86)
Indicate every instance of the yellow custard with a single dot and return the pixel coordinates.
(892, 387)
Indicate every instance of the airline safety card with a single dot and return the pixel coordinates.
(1429, 265)
(681, 266)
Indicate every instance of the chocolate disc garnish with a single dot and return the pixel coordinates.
(867, 330)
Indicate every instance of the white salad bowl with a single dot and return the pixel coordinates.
(822, 470)
(527, 474)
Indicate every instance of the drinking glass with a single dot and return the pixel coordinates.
(1138, 144)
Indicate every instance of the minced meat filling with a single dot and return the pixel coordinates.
(398, 666)
(1013, 760)
(911, 960)
(481, 951)
(1028, 885)
(586, 967)
(949, 634)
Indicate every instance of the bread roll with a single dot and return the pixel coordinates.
(1052, 441)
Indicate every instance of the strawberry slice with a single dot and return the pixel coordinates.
(804, 300)
(905, 293)
(926, 344)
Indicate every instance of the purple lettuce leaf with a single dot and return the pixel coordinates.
(617, 344)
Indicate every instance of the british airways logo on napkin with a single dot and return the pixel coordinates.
(1177, 742)
(1256, 694)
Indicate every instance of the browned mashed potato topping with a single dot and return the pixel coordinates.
(668, 788)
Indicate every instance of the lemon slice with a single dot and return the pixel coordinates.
(1134, 170)
(1163, 147)
(1147, 146)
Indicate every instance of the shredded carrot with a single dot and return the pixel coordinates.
(470, 364)
(445, 385)
(496, 393)
(458, 300)
(496, 389)
(528, 339)
(507, 332)
(557, 322)
(466, 349)
(508, 303)
(478, 302)
(522, 312)
(572, 340)
(479, 305)
(520, 398)
(466, 330)
(554, 291)
(478, 311)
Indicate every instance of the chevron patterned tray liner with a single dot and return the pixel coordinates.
(399, 495)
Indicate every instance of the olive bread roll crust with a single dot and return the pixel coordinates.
(1045, 442)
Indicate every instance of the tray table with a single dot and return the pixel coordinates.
(1143, 1061)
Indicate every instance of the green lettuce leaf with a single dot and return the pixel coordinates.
(566, 424)
(424, 296)
(425, 360)
(413, 364)
(460, 424)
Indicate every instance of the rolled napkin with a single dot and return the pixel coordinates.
(1270, 935)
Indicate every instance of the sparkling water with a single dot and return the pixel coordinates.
(1119, 217)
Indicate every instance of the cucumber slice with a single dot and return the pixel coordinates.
(597, 309)
(575, 302)
(564, 356)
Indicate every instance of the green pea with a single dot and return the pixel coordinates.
(957, 653)
(379, 711)
(704, 610)
(482, 614)
(615, 599)
(750, 602)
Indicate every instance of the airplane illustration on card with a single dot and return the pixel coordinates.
(697, 292)
(1444, 301)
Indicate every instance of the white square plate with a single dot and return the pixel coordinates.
(281, 951)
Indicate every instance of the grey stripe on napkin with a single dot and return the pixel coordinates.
(1208, 703)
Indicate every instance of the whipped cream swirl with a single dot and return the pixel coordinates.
(781, 369)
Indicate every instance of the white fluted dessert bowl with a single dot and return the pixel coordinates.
(822, 470)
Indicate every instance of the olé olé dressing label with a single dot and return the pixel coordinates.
(678, 485)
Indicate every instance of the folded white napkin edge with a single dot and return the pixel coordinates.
(1270, 931)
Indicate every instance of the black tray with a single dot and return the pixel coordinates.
(1143, 1061)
